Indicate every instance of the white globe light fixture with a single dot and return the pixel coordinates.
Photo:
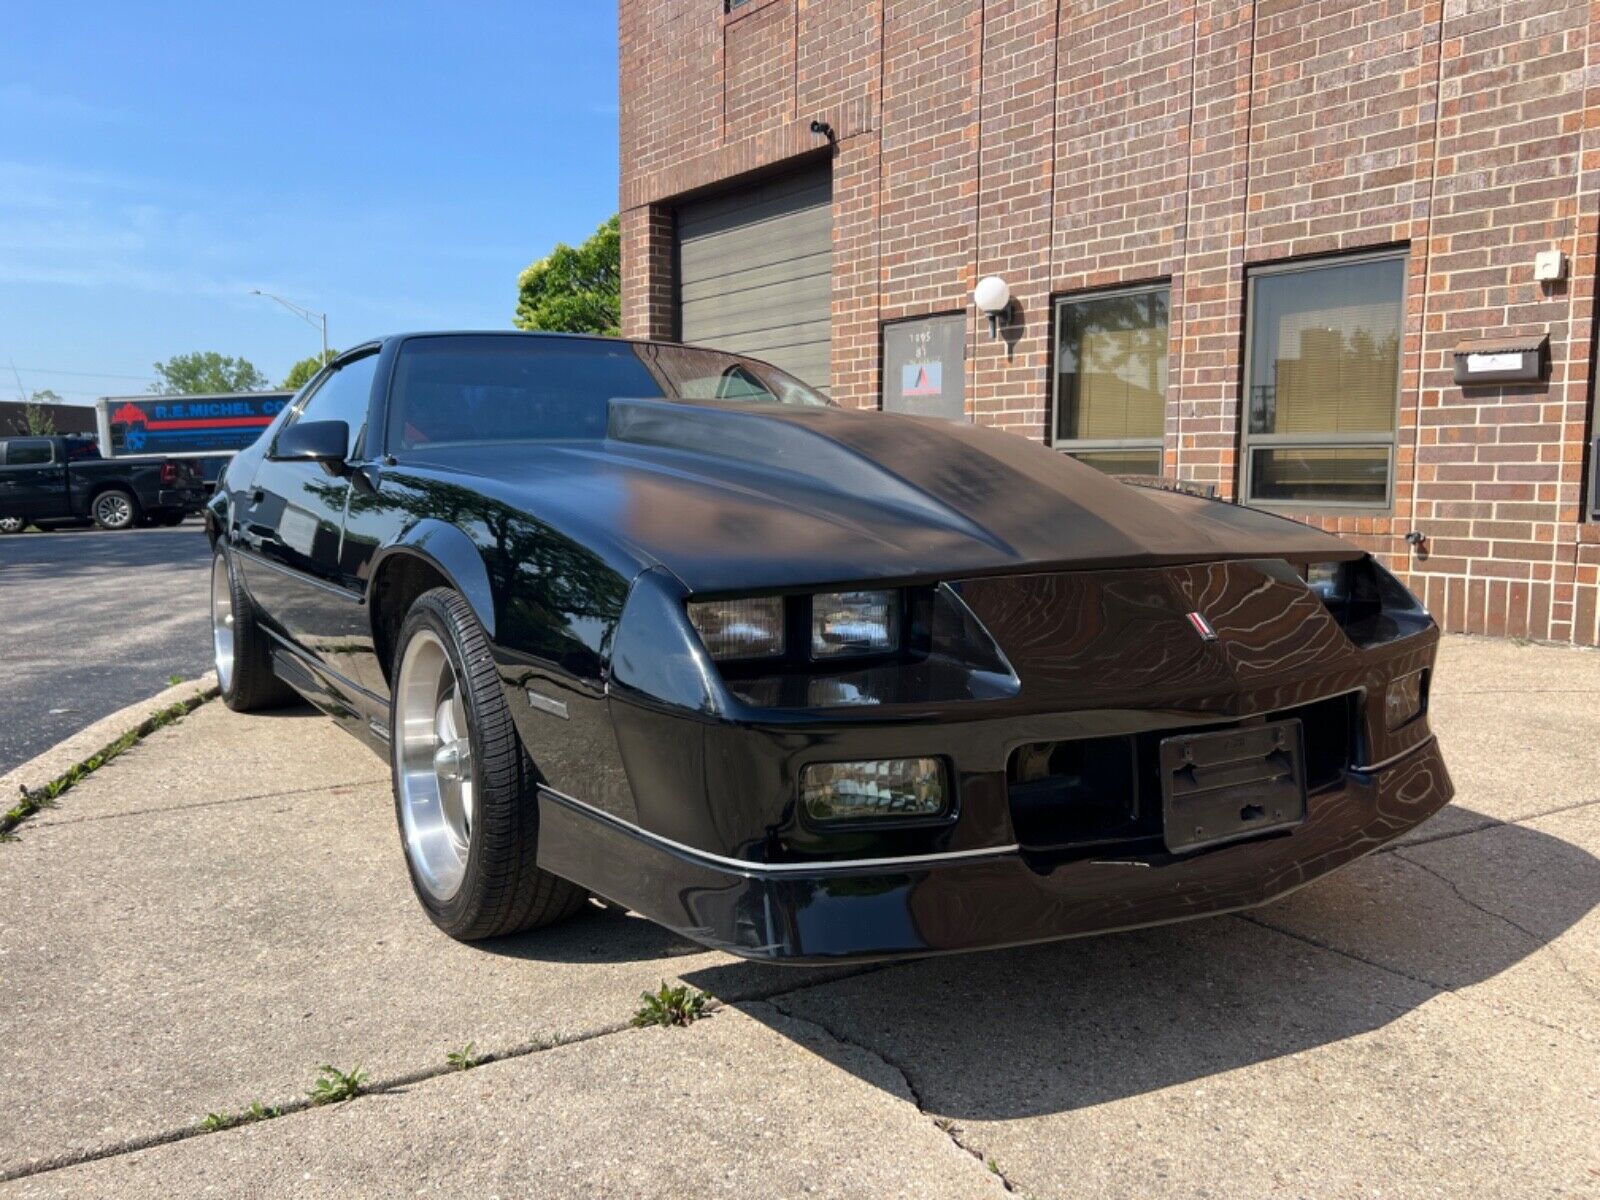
(993, 298)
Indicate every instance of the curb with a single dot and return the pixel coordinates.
(64, 755)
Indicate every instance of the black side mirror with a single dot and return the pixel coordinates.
(324, 442)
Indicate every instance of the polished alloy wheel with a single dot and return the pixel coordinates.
(434, 754)
(11, 524)
(222, 621)
(113, 510)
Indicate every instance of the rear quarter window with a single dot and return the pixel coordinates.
(28, 452)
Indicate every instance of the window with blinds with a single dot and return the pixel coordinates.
(1111, 379)
(1322, 381)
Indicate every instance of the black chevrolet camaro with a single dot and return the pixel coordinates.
(666, 626)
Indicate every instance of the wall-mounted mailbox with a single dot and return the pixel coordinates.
(1505, 359)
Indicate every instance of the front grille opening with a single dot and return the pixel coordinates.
(1329, 728)
(1077, 793)
(1090, 792)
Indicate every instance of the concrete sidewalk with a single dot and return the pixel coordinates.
(223, 908)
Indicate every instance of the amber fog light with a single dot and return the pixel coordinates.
(864, 791)
(1403, 700)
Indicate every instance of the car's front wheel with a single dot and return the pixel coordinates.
(464, 789)
(115, 508)
(12, 524)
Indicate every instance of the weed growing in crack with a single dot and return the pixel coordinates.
(217, 1122)
(681, 1005)
(45, 797)
(465, 1058)
(334, 1085)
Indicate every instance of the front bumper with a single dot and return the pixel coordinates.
(974, 899)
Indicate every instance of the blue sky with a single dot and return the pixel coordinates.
(395, 165)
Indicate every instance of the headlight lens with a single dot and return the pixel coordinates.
(854, 623)
(742, 628)
(1330, 580)
(864, 791)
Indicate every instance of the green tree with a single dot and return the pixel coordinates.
(575, 289)
(36, 419)
(206, 371)
(300, 374)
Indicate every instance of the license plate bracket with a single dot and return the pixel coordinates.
(1232, 784)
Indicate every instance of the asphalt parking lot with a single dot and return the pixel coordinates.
(205, 921)
(91, 621)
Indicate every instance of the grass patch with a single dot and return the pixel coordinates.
(334, 1085)
(34, 800)
(465, 1058)
(217, 1122)
(680, 1005)
(174, 680)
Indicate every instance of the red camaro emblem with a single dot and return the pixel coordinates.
(1202, 627)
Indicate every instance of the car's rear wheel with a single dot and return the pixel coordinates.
(239, 649)
(12, 524)
(115, 508)
(465, 790)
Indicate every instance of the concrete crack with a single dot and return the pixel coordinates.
(1488, 823)
(945, 1125)
(1540, 942)
(377, 1087)
(299, 1104)
(156, 810)
(1432, 984)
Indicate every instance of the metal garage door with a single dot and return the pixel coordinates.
(755, 272)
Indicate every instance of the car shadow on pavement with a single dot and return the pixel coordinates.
(1073, 1024)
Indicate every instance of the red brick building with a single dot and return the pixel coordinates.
(1248, 245)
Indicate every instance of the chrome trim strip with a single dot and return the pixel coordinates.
(1368, 768)
(261, 560)
(746, 867)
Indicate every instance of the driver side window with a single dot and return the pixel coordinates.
(344, 396)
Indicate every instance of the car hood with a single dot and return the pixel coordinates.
(731, 497)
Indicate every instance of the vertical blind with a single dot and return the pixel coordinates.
(1111, 358)
(1324, 369)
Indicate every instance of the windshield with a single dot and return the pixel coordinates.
(476, 388)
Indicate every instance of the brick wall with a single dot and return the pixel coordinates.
(1070, 147)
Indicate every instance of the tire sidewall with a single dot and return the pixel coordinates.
(430, 614)
(133, 510)
(230, 691)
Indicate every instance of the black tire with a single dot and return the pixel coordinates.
(503, 891)
(251, 686)
(115, 508)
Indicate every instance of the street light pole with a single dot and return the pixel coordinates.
(314, 319)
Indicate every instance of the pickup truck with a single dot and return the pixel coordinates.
(46, 480)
